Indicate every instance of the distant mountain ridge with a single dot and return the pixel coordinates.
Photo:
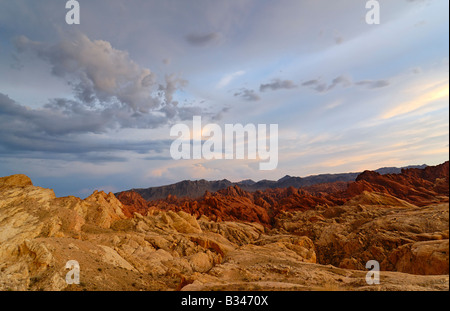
(196, 188)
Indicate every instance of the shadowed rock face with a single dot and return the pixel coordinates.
(278, 239)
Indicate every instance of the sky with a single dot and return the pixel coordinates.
(90, 107)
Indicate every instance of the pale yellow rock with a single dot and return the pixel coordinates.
(103, 209)
(183, 222)
(201, 262)
(57, 283)
(15, 181)
(111, 257)
(379, 199)
(426, 257)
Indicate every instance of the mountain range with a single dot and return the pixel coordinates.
(196, 188)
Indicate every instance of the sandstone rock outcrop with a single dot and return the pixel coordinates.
(400, 236)
(15, 181)
(417, 186)
(39, 233)
(233, 204)
(278, 239)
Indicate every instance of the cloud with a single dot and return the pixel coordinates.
(66, 127)
(107, 80)
(111, 92)
(373, 84)
(64, 117)
(277, 84)
(110, 89)
(219, 116)
(173, 83)
(228, 78)
(97, 72)
(310, 83)
(203, 39)
(248, 95)
(432, 93)
(316, 85)
(343, 81)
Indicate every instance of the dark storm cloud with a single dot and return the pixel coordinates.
(58, 128)
(62, 117)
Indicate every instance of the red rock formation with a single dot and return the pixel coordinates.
(417, 186)
(231, 204)
(133, 203)
(430, 173)
(325, 189)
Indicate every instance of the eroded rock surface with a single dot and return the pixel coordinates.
(312, 243)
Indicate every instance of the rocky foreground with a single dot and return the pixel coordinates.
(289, 239)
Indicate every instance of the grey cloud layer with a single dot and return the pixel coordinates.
(97, 72)
(277, 84)
(248, 95)
(110, 89)
(110, 92)
(203, 39)
(315, 84)
(373, 84)
(52, 131)
(343, 81)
